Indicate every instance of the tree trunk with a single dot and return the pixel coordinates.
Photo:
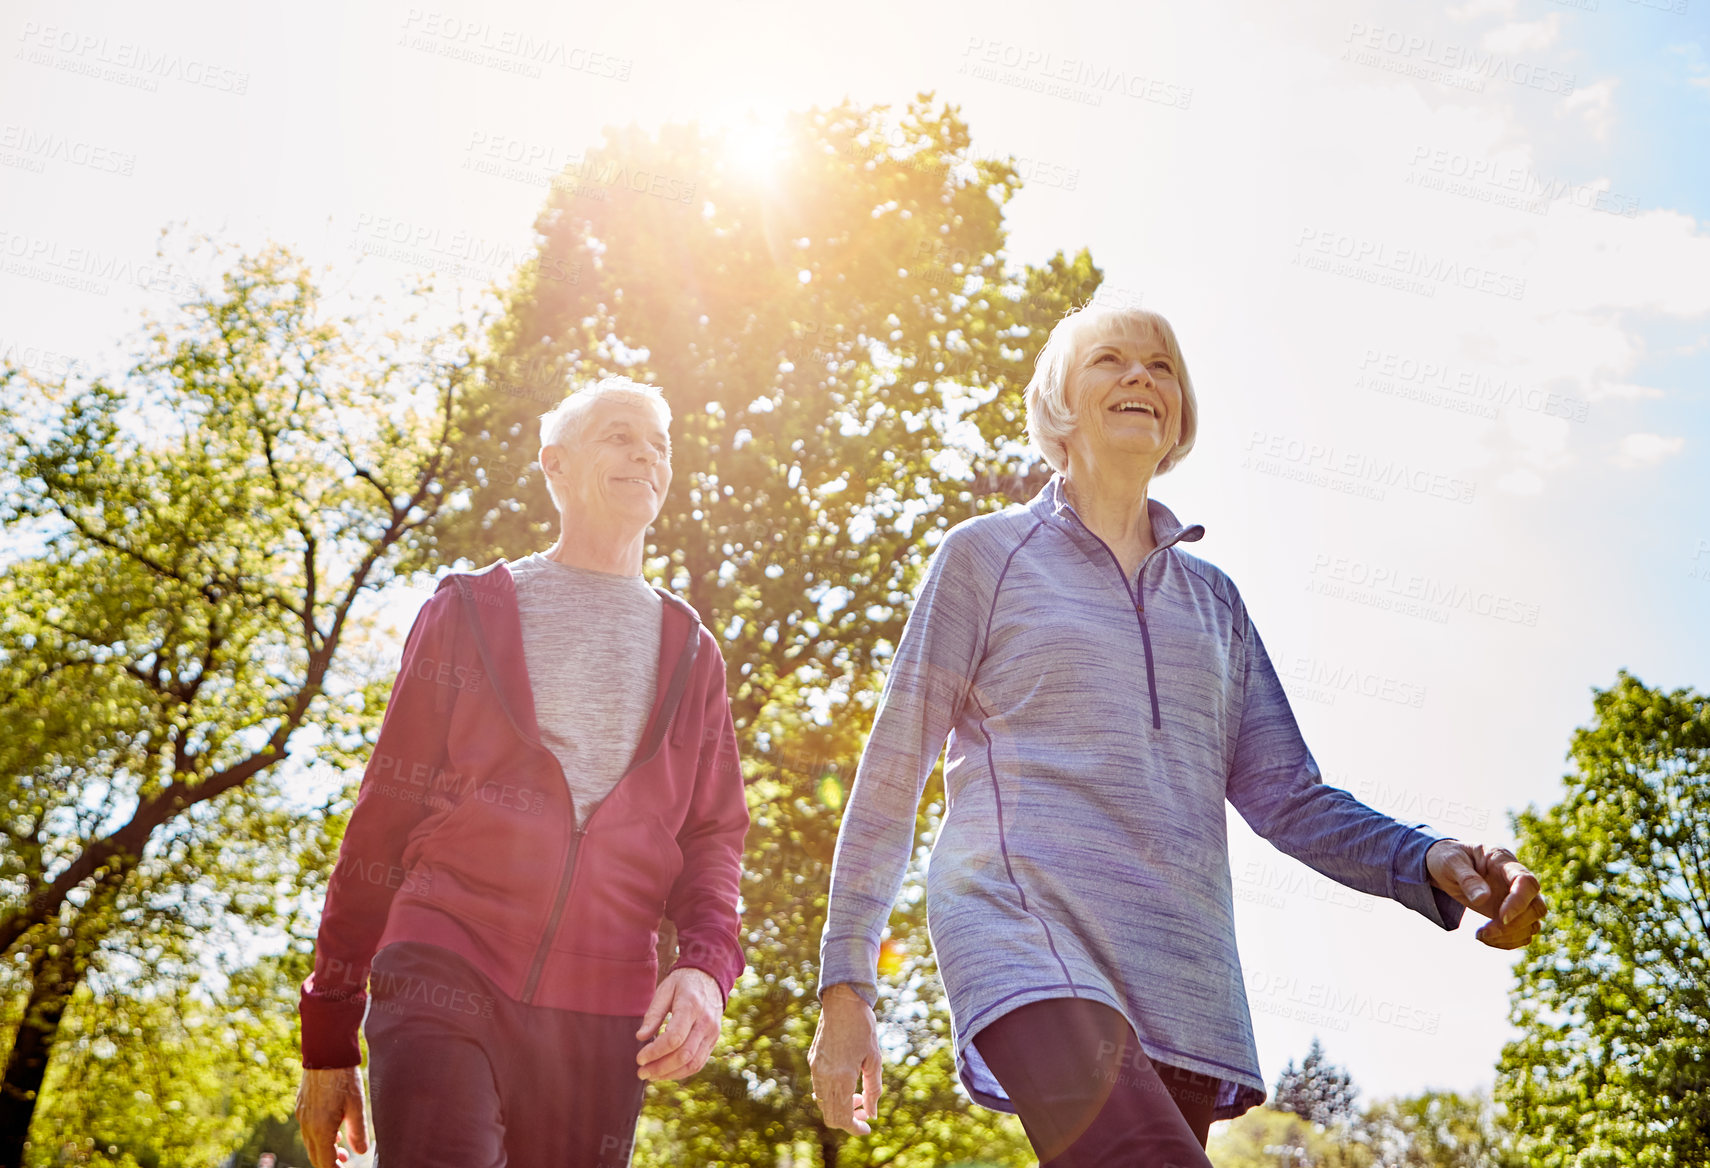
(827, 1148)
(57, 966)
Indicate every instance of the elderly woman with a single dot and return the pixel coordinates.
(556, 769)
(1103, 693)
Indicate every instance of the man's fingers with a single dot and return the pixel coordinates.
(355, 1124)
(835, 1095)
(676, 1033)
(688, 1058)
(656, 1010)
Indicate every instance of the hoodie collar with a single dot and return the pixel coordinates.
(490, 597)
(1052, 505)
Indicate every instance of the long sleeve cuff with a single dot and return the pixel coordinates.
(718, 956)
(852, 961)
(1412, 880)
(330, 1027)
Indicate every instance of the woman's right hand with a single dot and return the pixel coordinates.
(845, 1050)
(330, 1098)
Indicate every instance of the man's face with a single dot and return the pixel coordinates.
(620, 469)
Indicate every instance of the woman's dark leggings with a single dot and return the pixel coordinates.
(1088, 1095)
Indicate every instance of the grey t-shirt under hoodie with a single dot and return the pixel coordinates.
(591, 644)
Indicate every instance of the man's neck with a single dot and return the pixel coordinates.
(597, 551)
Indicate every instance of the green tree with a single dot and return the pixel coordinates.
(844, 342)
(1268, 1138)
(1319, 1091)
(1613, 998)
(201, 543)
(1439, 1129)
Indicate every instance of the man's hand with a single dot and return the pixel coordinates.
(691, 997)
(1493, 883)
(846, 1048)
(330, 1098)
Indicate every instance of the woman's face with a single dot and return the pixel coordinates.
(1124, 394)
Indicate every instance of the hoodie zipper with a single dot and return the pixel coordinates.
(567, 873)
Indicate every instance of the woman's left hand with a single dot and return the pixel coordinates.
(1494, 883)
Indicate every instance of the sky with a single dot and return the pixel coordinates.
(1441, 276)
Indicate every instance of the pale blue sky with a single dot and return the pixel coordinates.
(1254, 187)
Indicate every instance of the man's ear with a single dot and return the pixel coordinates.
(551, 459)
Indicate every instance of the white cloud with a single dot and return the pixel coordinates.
(1521, 481)
(1640, 450)
(1522, 36)
(1619, 391)
(1473, 9)
(1594, 104)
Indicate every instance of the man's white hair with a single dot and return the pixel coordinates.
(567, 422)
(1049, 421)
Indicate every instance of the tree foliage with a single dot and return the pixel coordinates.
(203, 540)
(843, 342)
(1319, 1091)
(1613, 998)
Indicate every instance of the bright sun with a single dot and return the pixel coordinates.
(755, 147)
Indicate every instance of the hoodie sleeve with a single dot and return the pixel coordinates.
(411, 747)
(1276, 786)
(702, 903)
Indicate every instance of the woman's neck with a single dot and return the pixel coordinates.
(1112, 503)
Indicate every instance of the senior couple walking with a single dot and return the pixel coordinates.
(556, 773)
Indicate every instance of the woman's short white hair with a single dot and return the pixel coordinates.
(567, 422)
(1049, 421)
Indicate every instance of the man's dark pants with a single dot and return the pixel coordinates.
(463, 1076)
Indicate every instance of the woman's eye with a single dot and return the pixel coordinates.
(1104, 357)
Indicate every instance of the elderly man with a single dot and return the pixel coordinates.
(556, 769)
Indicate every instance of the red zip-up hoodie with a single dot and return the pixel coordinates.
(463, 835)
